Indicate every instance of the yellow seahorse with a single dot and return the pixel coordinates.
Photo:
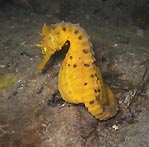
(79, 80)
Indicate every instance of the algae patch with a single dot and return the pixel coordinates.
(7, 80)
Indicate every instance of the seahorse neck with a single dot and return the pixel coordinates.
(78, 44)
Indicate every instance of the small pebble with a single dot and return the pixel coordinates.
(115, 45)
(115, 127)
(2, 66)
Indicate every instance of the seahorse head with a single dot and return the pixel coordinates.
(51, 42)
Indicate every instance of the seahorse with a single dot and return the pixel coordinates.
(79, 79)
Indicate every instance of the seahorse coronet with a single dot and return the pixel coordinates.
(79, 79)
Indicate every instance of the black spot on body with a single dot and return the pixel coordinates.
(74, 66)
(91, 102)
(95, 90)
(92, 75)
(80, 38)
(68, 64)
(86, 65)
(70, 57)
(85, 83)
(64, 29)
(85, 51)
(76, 31)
